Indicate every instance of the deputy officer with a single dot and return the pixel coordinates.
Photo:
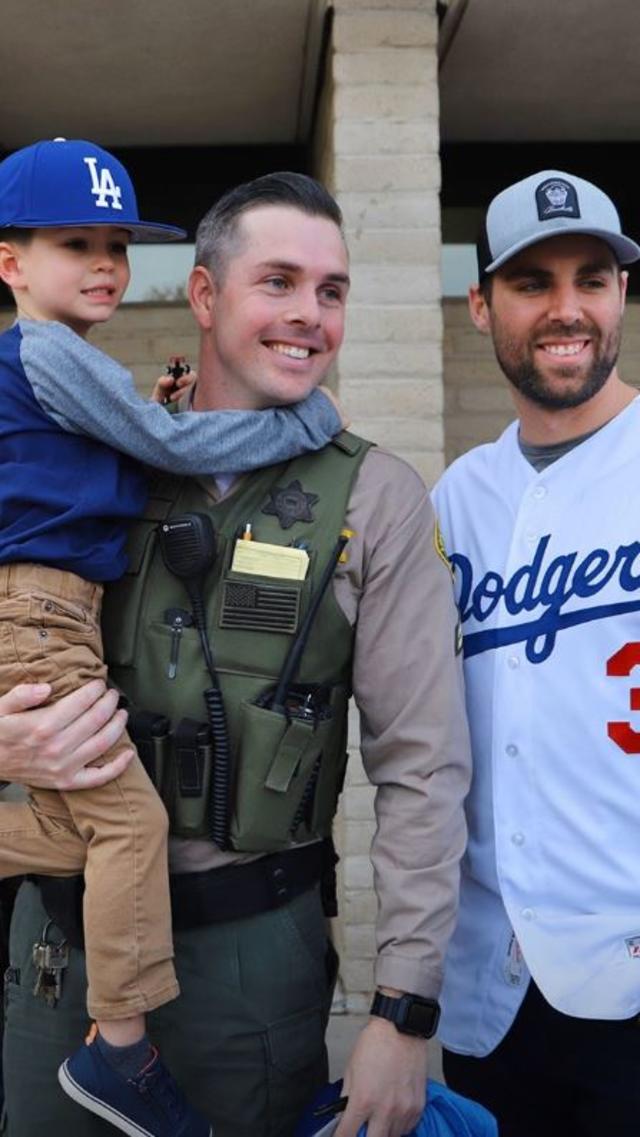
(246, 1038)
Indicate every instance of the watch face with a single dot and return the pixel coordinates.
(421, 1018)
(410, 1013)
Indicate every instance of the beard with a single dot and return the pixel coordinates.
(517, 365)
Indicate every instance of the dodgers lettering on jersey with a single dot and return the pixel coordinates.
(543, 589)
(547, 574)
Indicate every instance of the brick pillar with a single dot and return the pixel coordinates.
(376, 147)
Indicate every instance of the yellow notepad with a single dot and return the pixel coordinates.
(261, 559)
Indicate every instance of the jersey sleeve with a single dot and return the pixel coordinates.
(87, 392)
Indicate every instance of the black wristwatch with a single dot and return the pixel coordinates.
(410, 1013)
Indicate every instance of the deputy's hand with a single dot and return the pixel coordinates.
(166, 388)
(50, 746)
(346, 422)
(385, 1082)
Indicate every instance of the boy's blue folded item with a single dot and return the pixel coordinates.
(446, 1114)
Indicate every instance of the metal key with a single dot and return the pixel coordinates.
(49, 960)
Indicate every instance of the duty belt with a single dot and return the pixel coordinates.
(215, 896)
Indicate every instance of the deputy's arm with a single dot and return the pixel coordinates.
(87, 392)
(408, 686)
(385, 1082)
(50, 745)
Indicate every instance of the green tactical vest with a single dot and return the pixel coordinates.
(286, 774)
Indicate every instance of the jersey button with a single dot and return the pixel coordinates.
(513, 662)
(512, 750)
(539, 492)
(528, 914)
(517, 838)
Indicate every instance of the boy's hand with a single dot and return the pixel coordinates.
(169, 390)
(346, 422)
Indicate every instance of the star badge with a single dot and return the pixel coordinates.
(290, 503)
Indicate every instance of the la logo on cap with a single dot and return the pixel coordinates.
(103, 185)
(556, 198)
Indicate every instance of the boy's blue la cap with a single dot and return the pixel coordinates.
(65, 183)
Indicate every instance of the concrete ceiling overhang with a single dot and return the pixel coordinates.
(540, 70)
(159, 72)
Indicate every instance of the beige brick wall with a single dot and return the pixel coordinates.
(142, 337)
(476, 396)
(377, 149)
(477, 401)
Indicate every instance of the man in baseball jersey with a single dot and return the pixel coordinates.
(541, 1007)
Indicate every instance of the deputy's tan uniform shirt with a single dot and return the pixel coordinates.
(407, 681)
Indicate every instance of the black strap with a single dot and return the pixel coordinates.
(238, 891)
(212, 897)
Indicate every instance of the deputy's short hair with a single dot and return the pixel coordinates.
(218, 229)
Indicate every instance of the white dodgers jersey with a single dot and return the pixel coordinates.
(547, 573)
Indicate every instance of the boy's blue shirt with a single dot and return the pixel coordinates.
(71, 425)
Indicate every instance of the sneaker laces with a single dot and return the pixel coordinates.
(161, 1092)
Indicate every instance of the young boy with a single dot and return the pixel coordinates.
(67, 214)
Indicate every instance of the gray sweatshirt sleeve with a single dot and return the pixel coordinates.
(87, 392)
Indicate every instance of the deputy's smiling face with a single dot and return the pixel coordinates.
(278, 311)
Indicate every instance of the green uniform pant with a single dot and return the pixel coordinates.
(245, 1039)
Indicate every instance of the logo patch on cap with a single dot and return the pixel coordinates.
(556, 198)
(103, 186)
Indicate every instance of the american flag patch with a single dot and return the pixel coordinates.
(259, 607)
(633, 946)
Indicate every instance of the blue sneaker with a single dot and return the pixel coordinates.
(149, 1105)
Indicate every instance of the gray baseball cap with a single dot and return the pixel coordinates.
(545, 205)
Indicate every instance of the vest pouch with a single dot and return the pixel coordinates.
(277, 765)
(151, 735)
(187, 783)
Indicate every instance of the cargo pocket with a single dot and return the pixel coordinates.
(297, 1068)
(297, 1041)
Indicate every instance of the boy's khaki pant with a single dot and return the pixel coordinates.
(117, 833)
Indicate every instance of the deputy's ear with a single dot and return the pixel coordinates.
(479, 309)
(201, 292)
(10, 269)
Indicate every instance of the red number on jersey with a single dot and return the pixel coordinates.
(622, 733)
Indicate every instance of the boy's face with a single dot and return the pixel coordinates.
(77, 275)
